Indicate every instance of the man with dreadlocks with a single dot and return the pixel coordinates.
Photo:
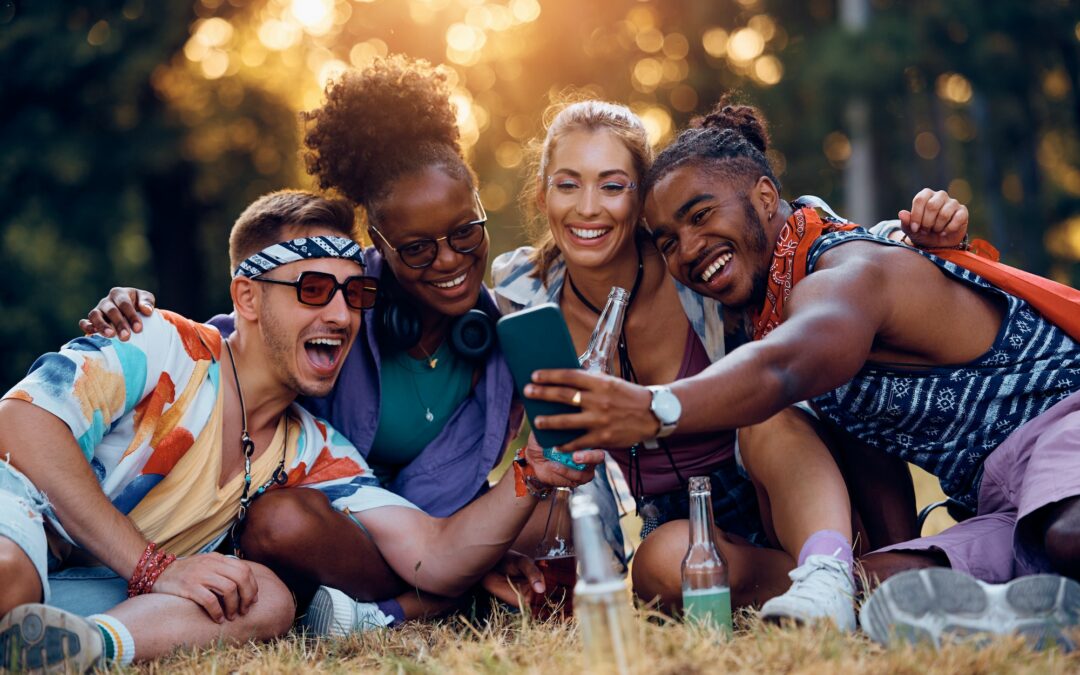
(904, 351)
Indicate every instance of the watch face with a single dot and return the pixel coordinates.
(666, 406)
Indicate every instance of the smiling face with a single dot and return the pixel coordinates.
(431, 204)
(306, 345)
(590, 197)
(712, 234)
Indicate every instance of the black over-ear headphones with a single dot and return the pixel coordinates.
(398, 327)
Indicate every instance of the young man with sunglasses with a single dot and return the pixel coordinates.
(128, 464)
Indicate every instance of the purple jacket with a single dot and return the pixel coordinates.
(454, 467)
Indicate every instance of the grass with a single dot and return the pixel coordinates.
(511, 643)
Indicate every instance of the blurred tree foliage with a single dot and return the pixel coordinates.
(134, 132)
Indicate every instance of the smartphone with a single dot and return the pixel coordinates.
(536, 339)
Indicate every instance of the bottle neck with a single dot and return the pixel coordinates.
(701, 518)
(603, 345)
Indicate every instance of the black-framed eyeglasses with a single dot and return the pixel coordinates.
(318, 288)
(421, 253)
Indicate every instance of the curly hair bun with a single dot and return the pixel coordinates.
(375, 125)
(745, 119)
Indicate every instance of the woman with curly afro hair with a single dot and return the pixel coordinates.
(424, 395)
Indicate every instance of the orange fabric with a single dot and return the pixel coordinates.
(788, 266)
(1060, 304)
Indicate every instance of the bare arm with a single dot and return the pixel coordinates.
(41, 446)
(447, 556)
(832, 320)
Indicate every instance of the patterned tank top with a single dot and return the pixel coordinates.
(947, 419)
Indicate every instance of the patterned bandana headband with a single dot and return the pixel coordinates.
(286, 252)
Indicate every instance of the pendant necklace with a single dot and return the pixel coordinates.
(428, 415)
(279, 477)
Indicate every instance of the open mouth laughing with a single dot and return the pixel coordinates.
(324, 353)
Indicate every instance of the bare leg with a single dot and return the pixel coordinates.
(881, 566)
(755, 574)
(881, 492)
(796, 504)
(1062, 538)
(301, 538)
(160, 623)
(21, 581)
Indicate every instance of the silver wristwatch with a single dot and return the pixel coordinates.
(665, 405)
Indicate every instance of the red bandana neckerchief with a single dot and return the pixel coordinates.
(788, 266)
(1060, 304)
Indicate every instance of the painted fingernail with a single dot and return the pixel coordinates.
(529, 390)
(123, 335)
(137, 325)
(108, 332)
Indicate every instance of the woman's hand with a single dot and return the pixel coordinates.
(614, 413)
(516, 580)
(935, 220)
(557, 474)
(116, 315)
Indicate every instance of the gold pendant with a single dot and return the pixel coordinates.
(432, 363)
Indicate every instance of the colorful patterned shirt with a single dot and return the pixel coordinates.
(139, 409)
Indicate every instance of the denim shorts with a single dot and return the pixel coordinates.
(82, 590)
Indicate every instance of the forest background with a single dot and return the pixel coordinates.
(132, 133)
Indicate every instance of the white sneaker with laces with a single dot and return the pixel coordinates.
(821, 588)
(334, 614)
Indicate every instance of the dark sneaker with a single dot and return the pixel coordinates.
(941, 604)
(41, 639)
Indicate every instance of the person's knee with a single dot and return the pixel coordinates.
(281, 520)
(656, 569)
(22, 584)
(272, 614)
(772, 438)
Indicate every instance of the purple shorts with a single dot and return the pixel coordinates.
(1037, 465)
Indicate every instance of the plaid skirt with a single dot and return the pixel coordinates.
(734, 502)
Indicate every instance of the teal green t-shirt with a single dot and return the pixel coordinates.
(415, 403)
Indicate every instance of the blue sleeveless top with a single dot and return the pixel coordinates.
(947, 419)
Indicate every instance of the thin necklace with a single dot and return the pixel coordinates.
(431, 360)
(428, 415)
(279, 477)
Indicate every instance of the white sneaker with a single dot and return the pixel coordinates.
(821, 588)
(37, 638)
(931, 604)
(334, 614)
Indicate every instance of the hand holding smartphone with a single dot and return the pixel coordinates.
(536, 339)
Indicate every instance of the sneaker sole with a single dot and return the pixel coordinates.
(320, 620)
(934, 604)
(41, 639)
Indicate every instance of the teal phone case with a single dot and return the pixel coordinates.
(536, 339)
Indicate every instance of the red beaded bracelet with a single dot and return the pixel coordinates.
(149, 568)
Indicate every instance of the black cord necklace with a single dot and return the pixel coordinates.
(279, 477)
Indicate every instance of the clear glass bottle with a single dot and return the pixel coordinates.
(601, 601)
(554, 556)
(705, 591)
(599, 355)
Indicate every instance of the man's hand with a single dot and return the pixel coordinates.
(614, 413)
(225, 587)
(935, 220)
(516, 580)
(116, 313)
(557, 474)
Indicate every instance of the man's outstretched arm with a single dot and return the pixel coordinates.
(832, 319)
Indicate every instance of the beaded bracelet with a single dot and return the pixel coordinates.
(149, 568)
(525, 480)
